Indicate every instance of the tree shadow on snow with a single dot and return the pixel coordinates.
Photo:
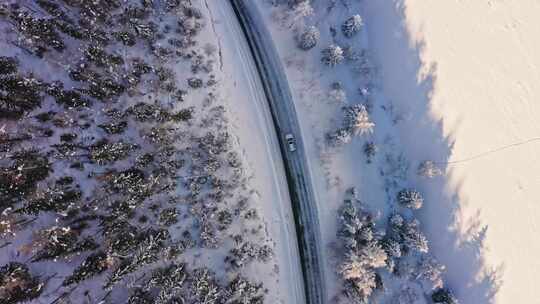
(409, 85)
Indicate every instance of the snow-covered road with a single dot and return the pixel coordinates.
(255, 129)
(299, 175)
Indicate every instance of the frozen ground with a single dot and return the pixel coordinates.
(465, 75)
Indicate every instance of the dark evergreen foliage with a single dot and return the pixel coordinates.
(19, 95)
(444, 296)
(93, 265)
(17, 285)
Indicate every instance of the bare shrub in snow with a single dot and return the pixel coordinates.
(8, 223)
(428, 169)
(308, 38)
(406, 295)
(38, 33)
(332, 55)
(57, 199)
(430, 272)
(351, 54)
(370, 149)
(195, 83)
(300, 10)
(339, 138)
(337, 94)
(352, 26)
(410, 198)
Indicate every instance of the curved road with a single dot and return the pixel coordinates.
(285, 121)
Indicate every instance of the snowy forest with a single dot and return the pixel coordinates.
(119, 177)
(160, 151)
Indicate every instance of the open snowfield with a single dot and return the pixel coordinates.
(465, 76)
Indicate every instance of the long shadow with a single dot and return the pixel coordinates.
(409, 86)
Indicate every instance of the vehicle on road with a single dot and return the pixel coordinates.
(291, 142)
(283, 111)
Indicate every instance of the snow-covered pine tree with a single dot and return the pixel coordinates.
(204, 286)
(444, 296)
(410, 198)
(408, 233)
(332, 55)
(361, 286)
(308, 38)
(357, 120)
(240, 290)
(428, 169)
(17, 285)
(352, 26)
(18, 95)
(94, 264)
(372, 255)
(364, 252)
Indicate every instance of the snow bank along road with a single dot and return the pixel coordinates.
(255, 126)
(285, 121)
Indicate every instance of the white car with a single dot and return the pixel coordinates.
(291, 142)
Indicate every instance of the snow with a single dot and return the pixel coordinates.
(465, 74)
(253, 125)
(233, 106)
(454, 83)
(332, 171)
(451, 82)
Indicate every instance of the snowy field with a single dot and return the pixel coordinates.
(465, 75)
